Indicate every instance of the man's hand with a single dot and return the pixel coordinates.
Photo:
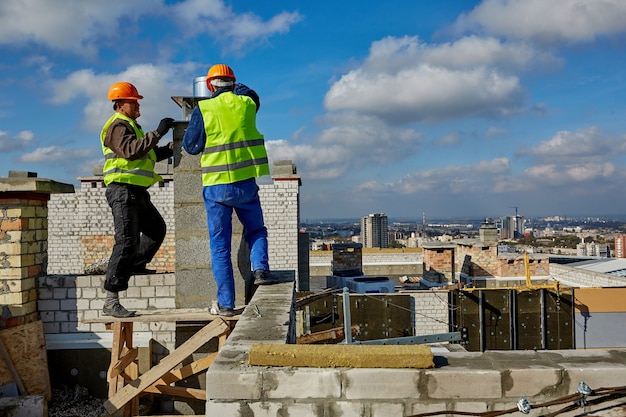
(164, 126)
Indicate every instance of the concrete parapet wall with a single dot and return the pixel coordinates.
(460, 381)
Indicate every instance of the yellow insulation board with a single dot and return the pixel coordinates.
(342, 356)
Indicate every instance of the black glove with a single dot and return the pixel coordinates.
(164, 126)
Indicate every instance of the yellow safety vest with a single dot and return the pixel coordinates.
(234, 149)
(117, 169)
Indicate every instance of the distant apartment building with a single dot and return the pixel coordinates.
(375, 231)
(511, 227)
(593, 249)
(620, 246)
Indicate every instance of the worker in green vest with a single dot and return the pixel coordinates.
(129, 159)
(223, 129)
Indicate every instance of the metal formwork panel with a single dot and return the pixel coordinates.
(497, 320)
(467, 313)
(559, 313)
(528, 327)
(511, 319)
(378, 316)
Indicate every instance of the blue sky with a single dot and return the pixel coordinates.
(449, 108)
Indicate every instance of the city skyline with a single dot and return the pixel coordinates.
(452, 108)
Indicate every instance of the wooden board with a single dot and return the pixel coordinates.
(26, 347)
(170, 315)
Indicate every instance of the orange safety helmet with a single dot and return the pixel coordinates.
(219, 71)
(123, 91)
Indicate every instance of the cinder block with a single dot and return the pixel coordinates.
(444, 383)
(381, 383)
(531, 381)
(225, 384)
(303, 383)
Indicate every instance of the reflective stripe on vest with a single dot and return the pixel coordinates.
(116, 169)
(234, 149)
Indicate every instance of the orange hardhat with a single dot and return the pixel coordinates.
(124, 91)
(219, 71)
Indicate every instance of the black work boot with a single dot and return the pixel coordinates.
(117, 310)
(263, 277)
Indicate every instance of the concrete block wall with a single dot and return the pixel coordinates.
(81, 227)
(460, 381)
(66, 300)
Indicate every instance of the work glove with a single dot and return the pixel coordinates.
(164, 126)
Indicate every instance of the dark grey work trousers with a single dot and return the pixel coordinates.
(139, 232)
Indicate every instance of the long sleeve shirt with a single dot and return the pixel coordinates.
(195, 135)
(121, 139)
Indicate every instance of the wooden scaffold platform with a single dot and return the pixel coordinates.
(125, 383)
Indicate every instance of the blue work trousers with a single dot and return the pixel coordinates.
(219, 201)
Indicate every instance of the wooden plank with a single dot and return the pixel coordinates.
(336, 333)
(122, 363)
(301, 302)
(127, 393)
(14, 374)
(170, 315)
(184, 392)
(187, 370)
(26, 346)
(116, 349)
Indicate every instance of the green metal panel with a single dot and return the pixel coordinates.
(559, 312)
(528, 326)
(378, 316)
(497, 320)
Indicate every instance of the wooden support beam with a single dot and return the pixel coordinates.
(300, 302)
(128, 358)
(128, 392)
(336, 333)
(185, 392)
(187, 370)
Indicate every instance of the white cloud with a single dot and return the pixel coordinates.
(78, 26)
(221, 22)
(427, 93)
(553, 174)
(156, 83)
(72, 25)
(403, 80)
(452, 179)
(20, 141)
(350, 142)
(563, 20)
(54, 154)
(586, 143)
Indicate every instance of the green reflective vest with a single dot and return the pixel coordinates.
(116, 169)
(234, 149)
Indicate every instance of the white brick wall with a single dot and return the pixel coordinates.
(73, 217)
(431, 312)
(66, 300)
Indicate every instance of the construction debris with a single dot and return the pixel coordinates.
(75, 402)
